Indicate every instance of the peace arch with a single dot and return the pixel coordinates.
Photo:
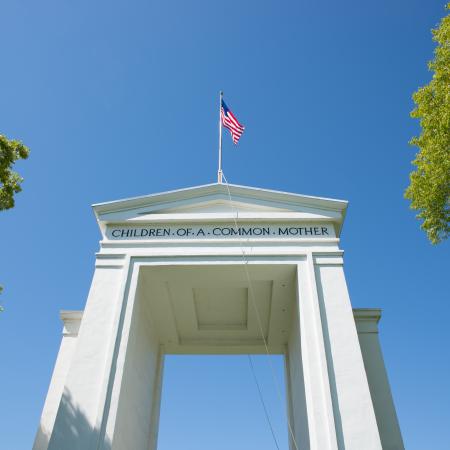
(219, 269)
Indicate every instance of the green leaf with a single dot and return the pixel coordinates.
(429, 188)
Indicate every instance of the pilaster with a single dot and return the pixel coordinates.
(75, 427)
(367, 326)
(356, 426)
(322, 434)
(71, 321)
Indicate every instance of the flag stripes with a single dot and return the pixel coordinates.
(229, 121)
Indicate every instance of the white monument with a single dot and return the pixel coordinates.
(219, 270)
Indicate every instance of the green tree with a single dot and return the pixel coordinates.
(10, 181)
(429, 189)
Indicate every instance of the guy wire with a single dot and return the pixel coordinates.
(261, 329)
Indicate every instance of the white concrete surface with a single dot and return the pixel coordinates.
(367, 326)
(71, 321)
(356, 425)
(174, 275)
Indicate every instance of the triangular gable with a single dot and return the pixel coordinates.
(212, 202)
(218, 205)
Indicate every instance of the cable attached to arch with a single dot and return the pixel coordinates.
(258, 317)
(263, 402)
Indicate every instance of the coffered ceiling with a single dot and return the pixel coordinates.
(214, 308)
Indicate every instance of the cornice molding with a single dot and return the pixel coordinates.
(367, 319)
(72, 321)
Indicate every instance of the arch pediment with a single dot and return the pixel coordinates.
(219, 202)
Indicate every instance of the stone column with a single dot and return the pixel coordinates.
(80, 410)
(71, 321)
(135, 403)
(354, 415)
(367, 325)
(312, 376)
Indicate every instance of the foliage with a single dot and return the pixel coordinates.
(429, 189)
(10, 181)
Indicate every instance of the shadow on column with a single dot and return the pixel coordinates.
(72, 429)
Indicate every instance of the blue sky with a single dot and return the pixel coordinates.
(118, 99)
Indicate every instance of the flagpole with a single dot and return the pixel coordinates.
(219, 172)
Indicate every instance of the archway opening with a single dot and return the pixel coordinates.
(191, 313)
(213, 402)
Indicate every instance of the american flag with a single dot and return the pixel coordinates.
(229, 121)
